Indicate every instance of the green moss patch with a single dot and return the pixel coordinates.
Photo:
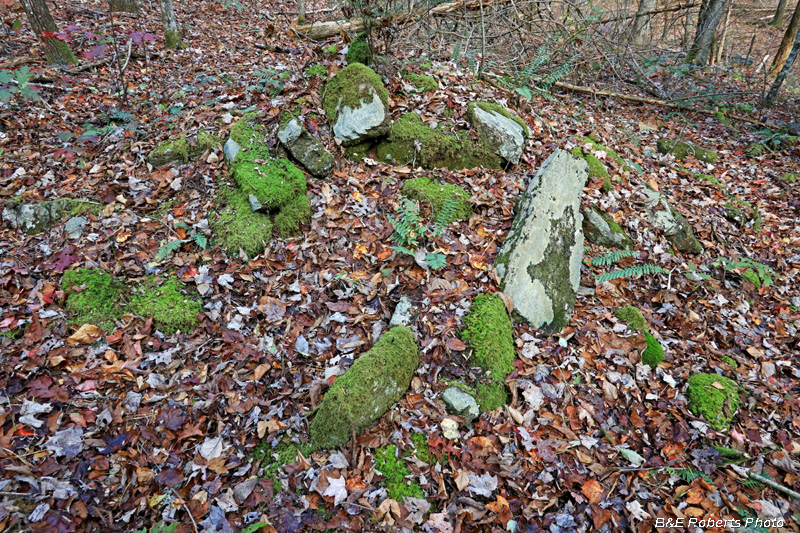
(182, 150)
(681, 150)
(93, 297)
(359, 51)
(352, 85)
(275, 182)
(437, 147)
(596, 167)
(394, 470)
(369, 388)
(316, 70)
(490, 336)
(292, 215)
(273, 459)
(654, 353)
(237, 227)
(715, 398)
(491, 107)
(789, 177)
(422, 449)
(169, 303)
(436, 194)
(247, 133)
(730, 361)
(421, 82)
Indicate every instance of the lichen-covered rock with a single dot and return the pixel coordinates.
(304, 147)
(600, 229)
(35, 218)
(715, 398)
(499, 129)
(439, 194)
(540, 260)
(460, 403)
(671, 223)
(681, 150)
(357, 105)
(369, 388)
(182, 149)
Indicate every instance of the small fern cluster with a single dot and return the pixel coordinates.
(528, 84)
(172, 246)
(634, 271)
(409, 229)
(689, 475)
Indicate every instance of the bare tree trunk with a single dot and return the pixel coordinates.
(780, 14)
(687, 29)
(711, 13)
(42, 23)
(301, 11)
(787, 66)
(171, 35)
(640, 33)
(720, 44)
(786, 44)
(124, 6)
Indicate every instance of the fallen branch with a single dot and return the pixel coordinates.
(87, 66)
(17, 62)
(742, 471)
(678, 7)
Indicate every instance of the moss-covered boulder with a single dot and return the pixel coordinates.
(715, 398)
(596, 167)
(539, 262)
(37, 217)
(93, 296)
(499, 129)
(671, 223)
(438, 195)
(369, 388)
(357, 105)
(304, 147)
(421, 83)
(237, 227)
(600, 229)
(490, 336)
(182, 149)
(247, 132)
(171, 305)
(654, 353)
(274, 182)
(412, 141)
(681, 150)
(359, 51)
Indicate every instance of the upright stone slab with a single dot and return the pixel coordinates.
(540, 260)
(357, 105)
(304, 147)
(671, 223)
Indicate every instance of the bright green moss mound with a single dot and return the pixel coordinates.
(238, 228)
(292, 216)
(316, 70)
(359, 51)
(789, 177)
(491, 107)
(490, 335)
(654, 353)
(394, 469)
(596, 168)
(633, 317)
(421, 82)
(180, 150)
(717, 406)
(275, 182)
(273, 459)
(339, 93)
(169, 304)
(436, 194)
(423, 450)
(681, 150)
(437, 147)
(93, 297)
(246, 132)
(369, 388)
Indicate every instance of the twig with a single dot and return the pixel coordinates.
(87, 66)
(742, 471)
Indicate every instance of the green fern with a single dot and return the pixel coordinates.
(750, 483)
(632, 272)
(446, 216)
(167, 249)
(200, 240)
(689, 475)
(612, 257)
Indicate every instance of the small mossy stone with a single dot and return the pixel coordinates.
(395, 472)
(681, 150)
(350, 87)
(600, 229)
(632, 317)
(237, 227)
(182, 150)
(421, 82)
(93, 297)
(715, 398)
(169, 304)
(274, 182)
(461, 403)
(359, 51)
(369, 388)
(437, 194)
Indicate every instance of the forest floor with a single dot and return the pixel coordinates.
(130, 428)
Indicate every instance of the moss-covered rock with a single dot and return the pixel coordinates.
(247, 133)
(292, 216)
(369, 388)
(715, 398)
(597, 170)
(671, 223)
(681, 150)
(359, 51)
(35, 218)
(304, 147)
(499, 129)
(654, 353)
(93, 297)
(274, 182)
(600, 229)
(789, 177)
(168, 302)
(736, 214)
(393, 468)
(182, 149)
(237, 227)
(411, 141)
(421, 82)
(437, 194)
(489, 334)
(357, 104)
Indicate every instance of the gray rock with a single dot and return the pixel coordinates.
(540, 260)
(355, 102)
(402, 313)
(305, 148)
(460, 403)
(230, 150)
(255, 205)
(366, 121)
(498, 132)
(74, 227)
(599, 229)
(32, 218)
(671, 223)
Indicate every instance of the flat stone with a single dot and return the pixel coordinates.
(460, 403)
(500, 133)
(671, 223)
(74, 227)
(402, 313)
(230, 150)
(305, 148)
(539, 262)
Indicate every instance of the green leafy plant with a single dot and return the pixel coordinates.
(529, 82)
(172, 246)
(612, 257)
(270, 81)
(689, 475)
(17, 83)
(758, 274)
(634, 271)
(410, 230)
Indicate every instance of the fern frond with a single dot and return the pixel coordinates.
(632, 272)
(167, 249)
(689, 475)
(612, 257)
(446, 216)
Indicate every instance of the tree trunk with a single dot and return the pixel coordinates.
(42, 23)
(301, 11)
(711, 13)
(780, 14)
(640, 33)
(124, 6)
(786, 44)
(787, 66)
(171, 35)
